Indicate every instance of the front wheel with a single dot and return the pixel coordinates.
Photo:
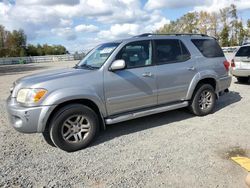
(203, 101)
(74, 127)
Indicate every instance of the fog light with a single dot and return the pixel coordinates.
(18, 122)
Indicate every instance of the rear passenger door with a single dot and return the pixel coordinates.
(175, 68)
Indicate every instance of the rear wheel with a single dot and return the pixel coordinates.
(74, 127)
(242, 79)
(203, 101)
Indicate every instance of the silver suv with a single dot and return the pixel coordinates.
(240, 65)
(119, 81)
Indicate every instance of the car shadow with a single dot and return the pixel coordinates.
(15, 69)
(240, 83)
(161, 119)
(227, 99)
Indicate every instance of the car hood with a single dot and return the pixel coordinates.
(52, 75)
(56, 79)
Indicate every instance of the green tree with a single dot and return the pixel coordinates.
(31, 50)
(167, 28)
(225, 25)
(186, 24)
(2, 34)
(189, 22)
(224, 15)
(14, 44)
(40, 51)
(22, 52)
(214, 24)
(242, 33)
(224, 36)
(48, 50)
(248, 27)
(2, 41)
(234, 25)
(204, 22)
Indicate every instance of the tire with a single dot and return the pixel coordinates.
(242, 79)
(74, 127)
(47, 138)
(201, 105)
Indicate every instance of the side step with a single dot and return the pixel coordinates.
(145, 113)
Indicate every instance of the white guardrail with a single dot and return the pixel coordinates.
(38, 59)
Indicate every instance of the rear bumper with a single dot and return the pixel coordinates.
(28, 119)
(240, 72)
(224, 83)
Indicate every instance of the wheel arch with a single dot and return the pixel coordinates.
(196, 82)
(87, 102)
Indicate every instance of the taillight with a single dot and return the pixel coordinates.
(226, 65)
(232, 63)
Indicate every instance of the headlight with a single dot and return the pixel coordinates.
(30, 96)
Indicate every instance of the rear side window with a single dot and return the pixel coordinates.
(243, 51)
(170, 51)
(208, 47)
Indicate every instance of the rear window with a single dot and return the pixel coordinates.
(208, 47)
(243, 51)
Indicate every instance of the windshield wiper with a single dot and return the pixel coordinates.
(76, 66)
(88, 66)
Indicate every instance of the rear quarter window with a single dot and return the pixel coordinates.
(243, 51)
(208, 47)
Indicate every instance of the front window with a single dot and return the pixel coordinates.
(136, 54)
(98, 56)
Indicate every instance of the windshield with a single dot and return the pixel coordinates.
(97, 57)
(243, 51)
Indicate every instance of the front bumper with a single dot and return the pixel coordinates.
(240, 72)
(28, 119)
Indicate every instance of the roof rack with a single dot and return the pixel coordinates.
(171, 34)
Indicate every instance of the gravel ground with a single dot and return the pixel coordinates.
(172, 149)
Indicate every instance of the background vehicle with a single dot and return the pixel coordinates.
(240, 65)
(229, 49)
(119, 81)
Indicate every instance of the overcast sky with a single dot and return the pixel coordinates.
(81, 24)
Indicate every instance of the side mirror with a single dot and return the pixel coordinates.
(118, 65)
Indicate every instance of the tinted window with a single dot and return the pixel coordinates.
(243, 51)
(208, 47)
(136, 54)
(170, 51)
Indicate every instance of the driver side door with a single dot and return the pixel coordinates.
(134, 87)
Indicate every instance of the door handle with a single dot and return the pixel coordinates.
(147, 74)
(191, 68)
